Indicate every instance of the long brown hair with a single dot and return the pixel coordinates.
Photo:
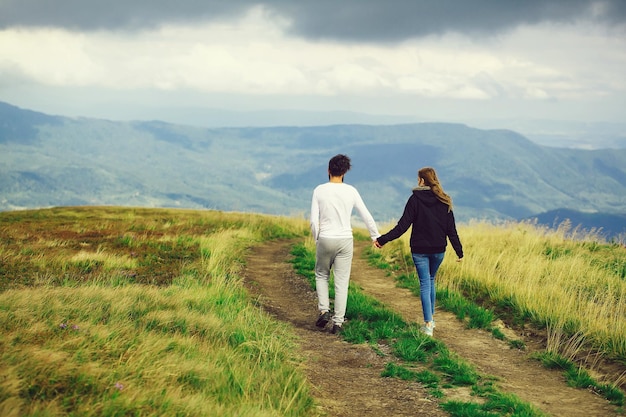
(429, 176)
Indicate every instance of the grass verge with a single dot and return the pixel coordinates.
(415, 356)
(122, 311)
(395, 260)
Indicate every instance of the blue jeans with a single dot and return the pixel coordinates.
(427, 265)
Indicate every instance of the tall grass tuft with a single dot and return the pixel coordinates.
(570, 283)
(531, 273)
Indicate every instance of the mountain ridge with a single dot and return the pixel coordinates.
(491, 174)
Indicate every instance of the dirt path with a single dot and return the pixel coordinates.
(346, 378)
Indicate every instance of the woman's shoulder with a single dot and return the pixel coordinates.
(422, 193)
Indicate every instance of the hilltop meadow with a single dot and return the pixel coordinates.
(137, 311)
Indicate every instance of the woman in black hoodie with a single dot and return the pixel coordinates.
(429, 211)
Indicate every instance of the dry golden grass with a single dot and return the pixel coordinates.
(110, 311)
(572, 286)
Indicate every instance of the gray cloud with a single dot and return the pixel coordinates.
(115, 14)
(348, 20)
(401, 19)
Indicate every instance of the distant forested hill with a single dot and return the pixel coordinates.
(51, 161)
(603, 224)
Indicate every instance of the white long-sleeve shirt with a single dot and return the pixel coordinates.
(331, 210)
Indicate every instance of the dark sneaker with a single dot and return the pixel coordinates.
(336, 329)
(323, 319)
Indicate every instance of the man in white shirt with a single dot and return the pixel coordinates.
(331, 210)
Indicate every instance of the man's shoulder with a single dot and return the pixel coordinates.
(349, 188)
(332, 185)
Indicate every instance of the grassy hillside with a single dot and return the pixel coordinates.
(114, 311)
(573, 285)
(108, 311)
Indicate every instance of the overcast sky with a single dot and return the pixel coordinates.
(446, 60)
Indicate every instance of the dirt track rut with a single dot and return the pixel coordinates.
(346, 378)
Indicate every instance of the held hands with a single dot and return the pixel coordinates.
(376, 244)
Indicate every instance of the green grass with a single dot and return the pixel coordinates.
(478, 302)
(131, 311)
(416, 357)
(123, 311)
(578, 377)
(532, 275)
(427, 378)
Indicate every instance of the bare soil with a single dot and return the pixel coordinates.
(345, 378)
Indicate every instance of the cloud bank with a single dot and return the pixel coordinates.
(436, 59)
(347, 20)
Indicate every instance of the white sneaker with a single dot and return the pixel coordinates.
(427, 328)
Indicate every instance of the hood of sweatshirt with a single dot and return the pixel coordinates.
(425, 195)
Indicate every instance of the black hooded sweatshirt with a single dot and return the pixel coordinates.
(432, 224)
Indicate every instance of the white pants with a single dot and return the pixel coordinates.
(335, 254)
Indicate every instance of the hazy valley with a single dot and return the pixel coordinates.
(491, 174)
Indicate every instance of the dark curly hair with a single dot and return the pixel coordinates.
(339, 165)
